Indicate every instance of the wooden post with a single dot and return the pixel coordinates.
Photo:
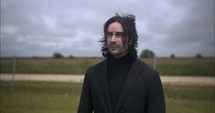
(154, 61)
(14, 72)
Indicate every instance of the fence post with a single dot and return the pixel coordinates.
(14, 72)
(154, 61)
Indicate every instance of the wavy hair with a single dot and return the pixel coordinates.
(129, 33)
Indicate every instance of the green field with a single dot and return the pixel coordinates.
(57, 97)
(165, 66)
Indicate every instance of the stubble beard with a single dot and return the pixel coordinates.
(117, 50)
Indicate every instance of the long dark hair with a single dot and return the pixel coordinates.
(129, 33)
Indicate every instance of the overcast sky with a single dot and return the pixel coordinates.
(74, 27)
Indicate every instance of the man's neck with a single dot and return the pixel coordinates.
(120, 55)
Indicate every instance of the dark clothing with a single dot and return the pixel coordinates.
(117, 73)
(141, 91)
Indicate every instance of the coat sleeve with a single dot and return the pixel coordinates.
(155, 98)
(85, 104)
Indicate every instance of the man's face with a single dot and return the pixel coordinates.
(115, 40)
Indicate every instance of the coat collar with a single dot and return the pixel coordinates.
(104, 84)
(131, 78)
(133, 74)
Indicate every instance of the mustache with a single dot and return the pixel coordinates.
(113, 44)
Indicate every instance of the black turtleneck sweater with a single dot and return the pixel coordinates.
(118, 69)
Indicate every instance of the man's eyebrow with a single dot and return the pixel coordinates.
(115, 32)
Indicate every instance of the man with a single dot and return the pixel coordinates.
(121, 83)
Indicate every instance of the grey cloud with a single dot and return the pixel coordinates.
(41, 27)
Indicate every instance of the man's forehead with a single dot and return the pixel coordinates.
(115, 27)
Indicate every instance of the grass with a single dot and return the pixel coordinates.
(189, 99)
(57, 97)
(165, 66)
(40, 97)
(48, 68)
(186, 69)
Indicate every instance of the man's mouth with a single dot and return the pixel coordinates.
(113, 46)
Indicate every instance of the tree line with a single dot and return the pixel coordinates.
(150, 54)
(146, 53)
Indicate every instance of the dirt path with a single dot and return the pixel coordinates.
(79, 78)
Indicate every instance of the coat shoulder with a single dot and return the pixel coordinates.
(96, 67)
(92, 72)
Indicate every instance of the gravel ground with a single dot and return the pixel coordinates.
(181, 80)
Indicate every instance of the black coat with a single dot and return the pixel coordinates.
(142, 91)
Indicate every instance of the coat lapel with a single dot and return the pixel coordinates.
(132, 76)
(104, 85)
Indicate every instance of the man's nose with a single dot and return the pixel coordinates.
(113, 38)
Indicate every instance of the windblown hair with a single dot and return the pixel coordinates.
(129, 34)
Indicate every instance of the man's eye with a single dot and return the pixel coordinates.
(119, 34)
(109, 34)
(116, 34)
